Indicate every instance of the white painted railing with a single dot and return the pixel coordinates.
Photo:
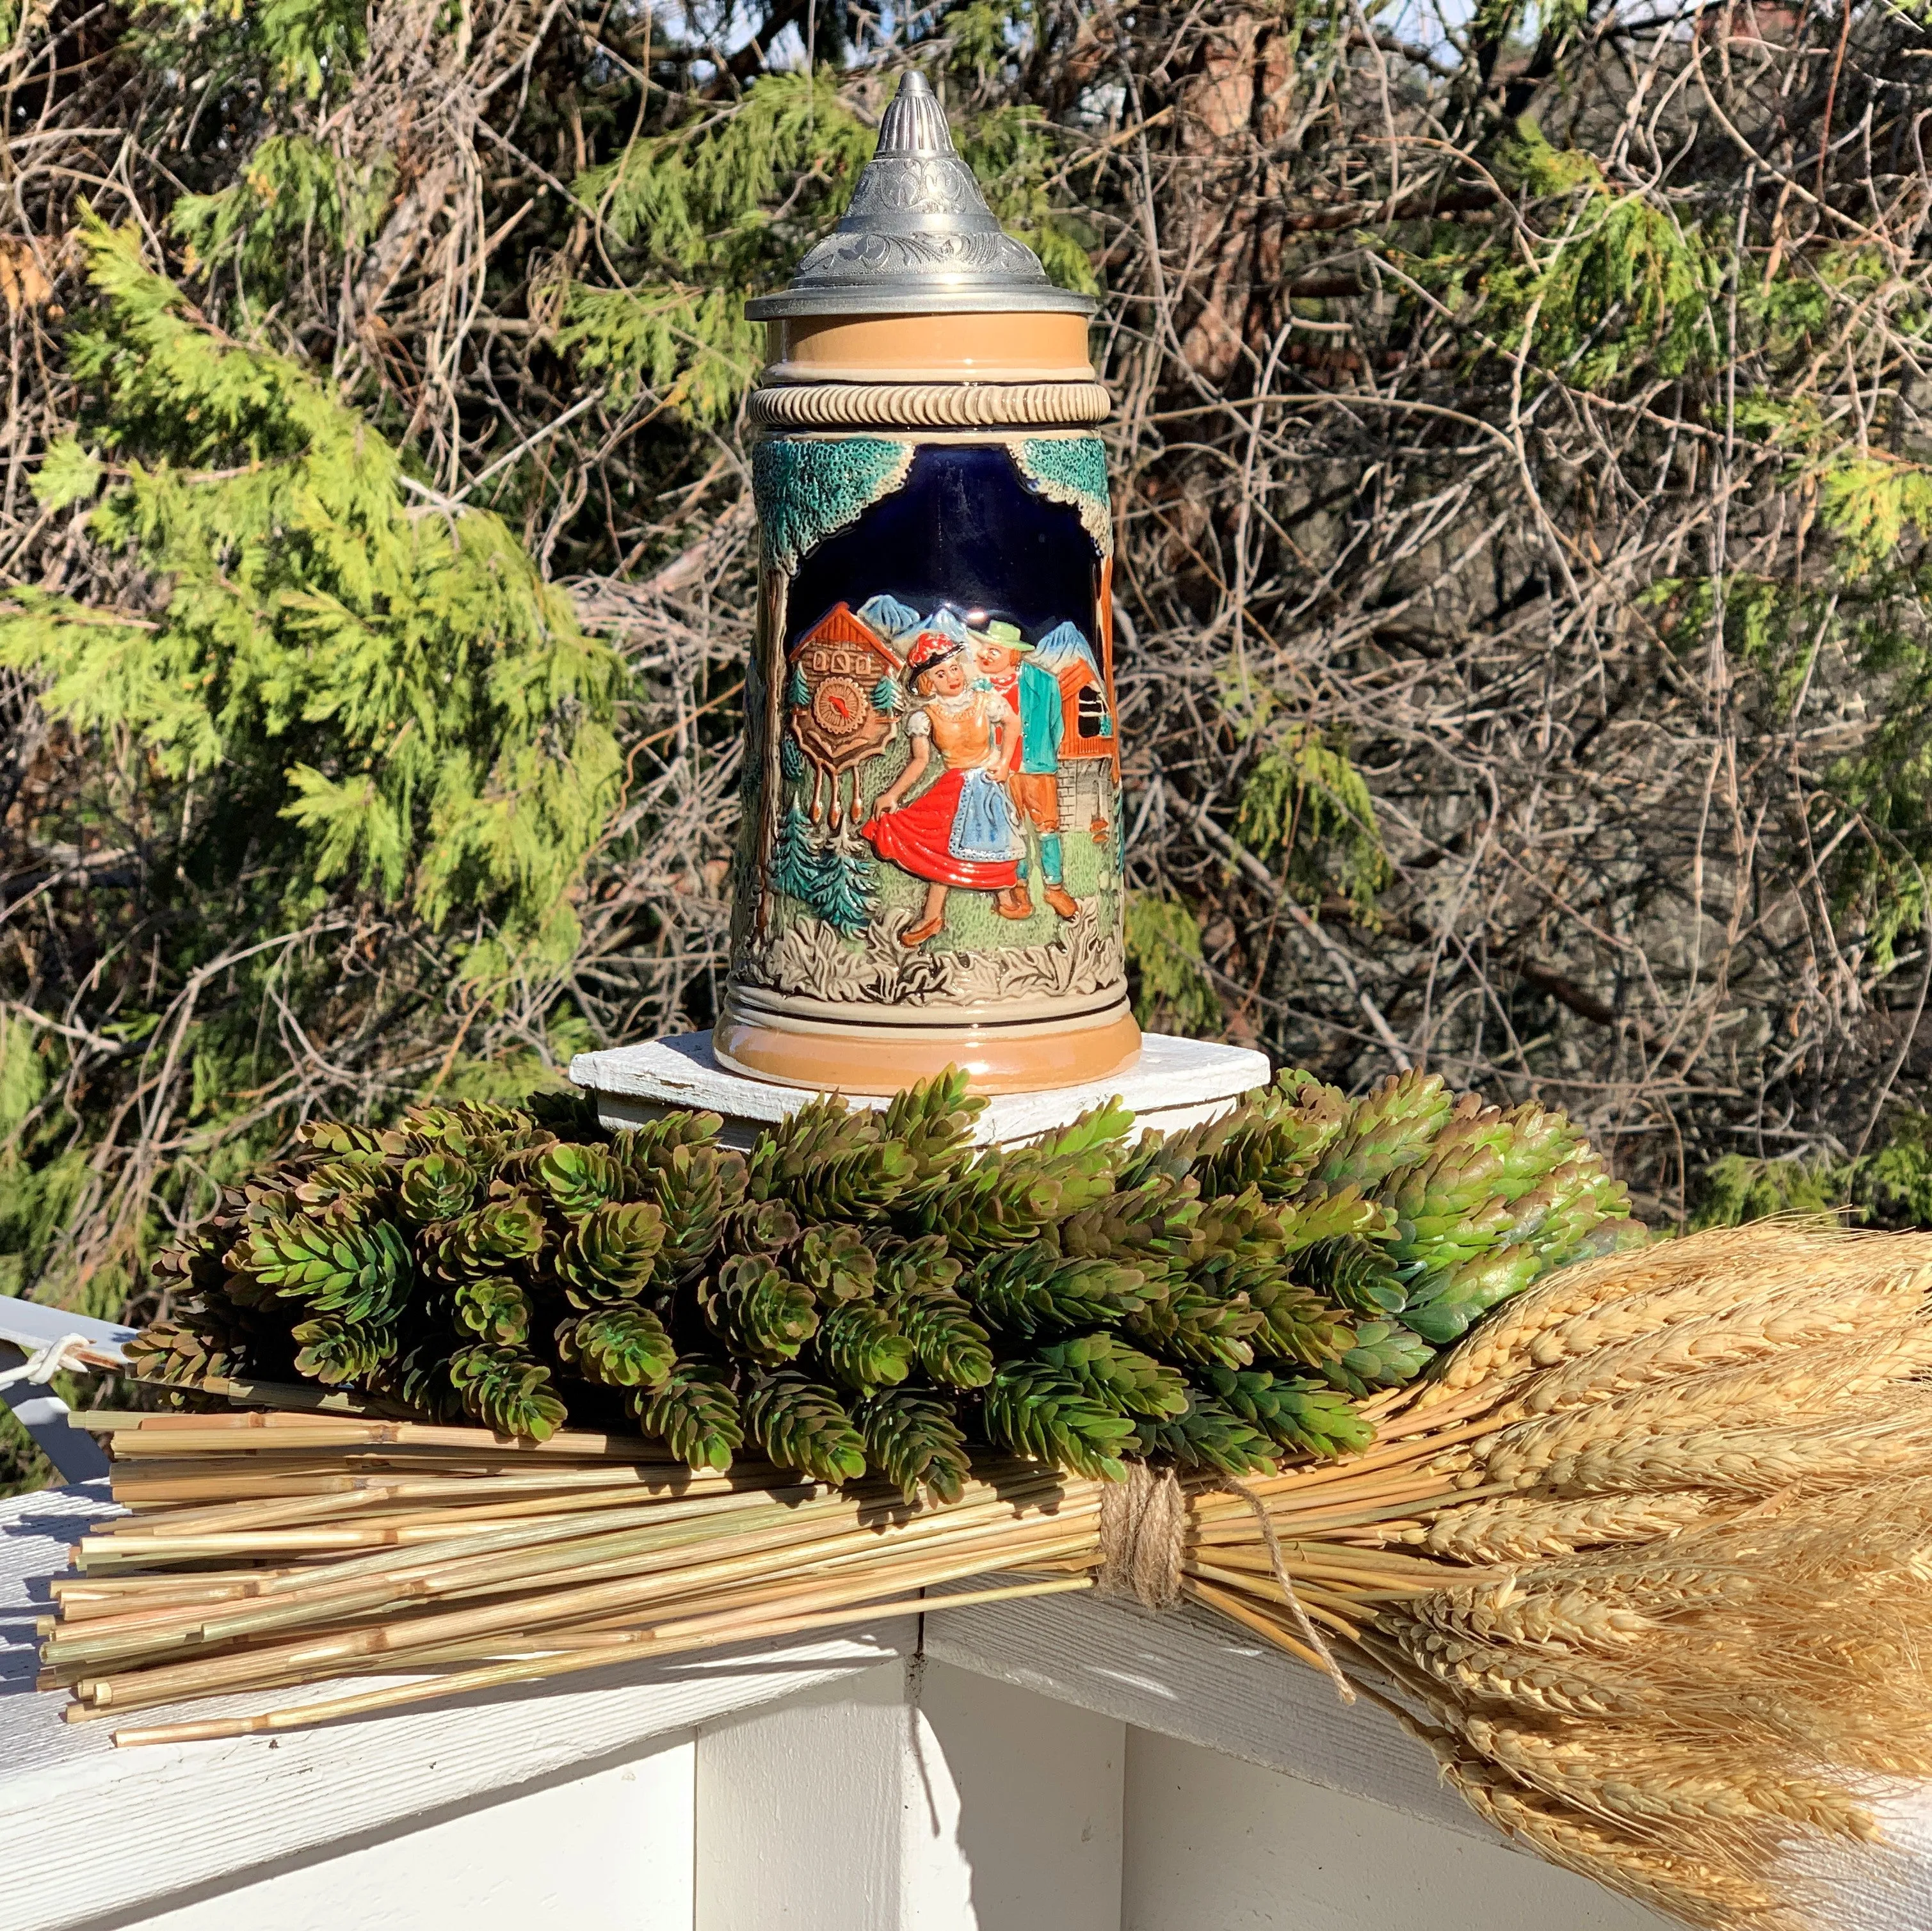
(27, 1328)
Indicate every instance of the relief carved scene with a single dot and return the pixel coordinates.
(945, 825)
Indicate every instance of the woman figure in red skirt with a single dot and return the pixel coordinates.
(961, 830)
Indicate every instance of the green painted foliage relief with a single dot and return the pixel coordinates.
(1071, 470)
(807, 489)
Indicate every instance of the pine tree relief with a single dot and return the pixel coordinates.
(846, 882)
(794, 867)
(836, 882)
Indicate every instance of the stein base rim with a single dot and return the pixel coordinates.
(871, 1060)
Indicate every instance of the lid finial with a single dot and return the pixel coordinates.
(918, 238)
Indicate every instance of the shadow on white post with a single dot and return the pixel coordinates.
(918, 1796)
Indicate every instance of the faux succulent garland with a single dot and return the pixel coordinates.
(864, 1290)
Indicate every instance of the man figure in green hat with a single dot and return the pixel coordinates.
(1032, 780)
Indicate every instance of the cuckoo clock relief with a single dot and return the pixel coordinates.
(842, 694)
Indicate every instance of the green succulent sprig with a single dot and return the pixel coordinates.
(866, 1291)
(696, 1415)
(611, 1253)
(800, 1424)
(760, 1313)
(861, 1346)
(623, 1346)
(494, 1308)
(915, 1441)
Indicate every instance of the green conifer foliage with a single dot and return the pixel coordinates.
(685, 204)
(1305, 797)
(398, 690)
(851, 1295)
(295, 190)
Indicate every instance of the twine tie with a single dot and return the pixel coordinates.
(1144, 1544)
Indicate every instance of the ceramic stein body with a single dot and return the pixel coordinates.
(929, 868)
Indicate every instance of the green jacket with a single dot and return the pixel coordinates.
(1042, 722)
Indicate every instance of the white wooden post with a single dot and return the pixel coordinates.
(921, 1798)
(1021, 1826)
(1214, 1844)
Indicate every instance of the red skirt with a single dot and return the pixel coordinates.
(918, 838)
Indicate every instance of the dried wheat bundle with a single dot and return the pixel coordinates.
(1644, 1562)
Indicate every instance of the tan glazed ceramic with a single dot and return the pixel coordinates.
(929, 870)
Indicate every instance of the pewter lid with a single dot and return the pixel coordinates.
(919, 238)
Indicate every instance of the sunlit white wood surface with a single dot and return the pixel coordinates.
(1175, 1083)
